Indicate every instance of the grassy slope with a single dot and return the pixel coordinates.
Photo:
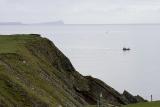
(147, 104)
(26, 80)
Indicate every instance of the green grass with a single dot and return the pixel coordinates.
(147, 104)
(12, 43)
(32, 82)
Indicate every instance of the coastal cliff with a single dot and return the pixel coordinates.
(35, 73)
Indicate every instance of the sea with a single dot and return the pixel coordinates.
(97, 50)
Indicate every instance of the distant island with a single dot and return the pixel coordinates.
(41, 23)
(11, 23)
(50, 23)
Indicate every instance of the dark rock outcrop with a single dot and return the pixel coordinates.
(140, 99)
(133, 99)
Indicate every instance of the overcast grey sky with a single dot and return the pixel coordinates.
(81, 11)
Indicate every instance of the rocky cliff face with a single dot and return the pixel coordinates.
(132, 99)
(35, 73)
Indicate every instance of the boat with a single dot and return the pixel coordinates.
(126, 49)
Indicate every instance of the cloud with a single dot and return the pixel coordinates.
(81, 11)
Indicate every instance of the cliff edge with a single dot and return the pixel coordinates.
(35, 73)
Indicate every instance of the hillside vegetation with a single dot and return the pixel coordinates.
(146, 104)
(35, 73)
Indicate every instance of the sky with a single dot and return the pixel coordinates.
(81, 11)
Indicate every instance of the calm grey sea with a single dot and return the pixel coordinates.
(97, 50)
